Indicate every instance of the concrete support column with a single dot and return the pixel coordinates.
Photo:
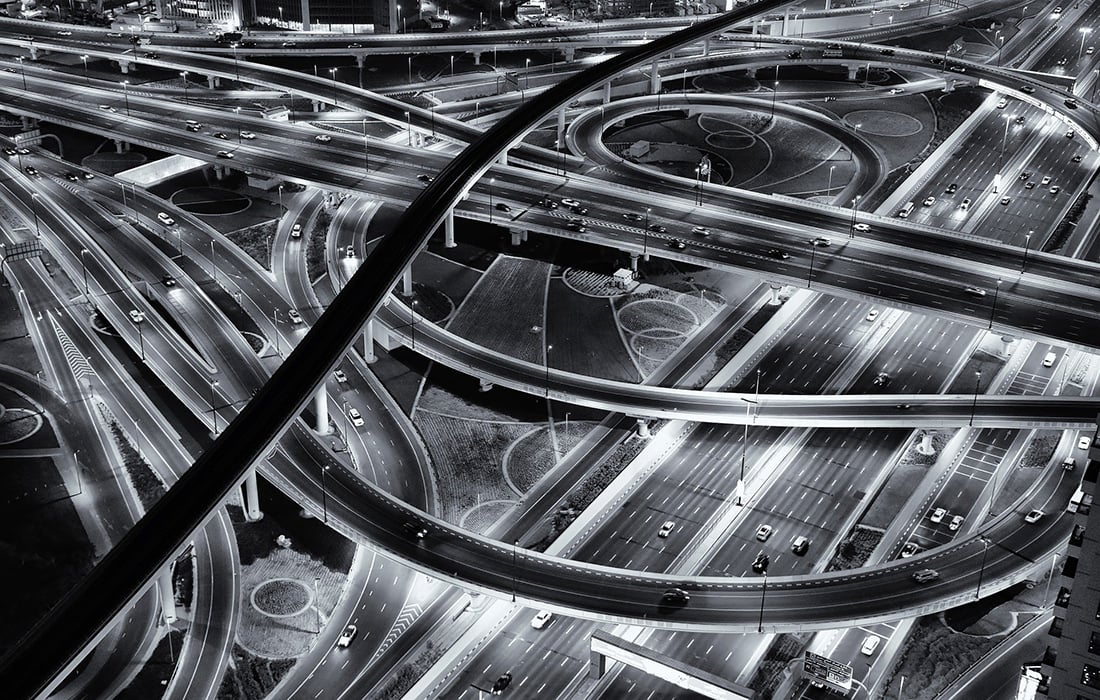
(706, 46)
(167, 596)
(517, 235)
(852, 71)
(1008, 340)
(407, 282)
(654, 77)
(926, 447)
(750, 72)
(786, 21)
(28, 123)
(570, 54)
(597, 664)
(634, 262)
(220, 172)
(560, 136)
(949, 85)
(320, 409)
(607, 92)
(449, 230)
(212, 81)
(317, 105)
(484, 385)
(477, 58)
(34, 52)
(525, 232)
(360, 61)
(503, 159)
(368, 342)
(775, 289)
(252, 511)
(643, 429)
(120, 146)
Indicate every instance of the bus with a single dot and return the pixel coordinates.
(905, 211)
(1079, 501)
(833, 51)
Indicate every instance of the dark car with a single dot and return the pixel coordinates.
(657, 228)
(168, 280)
(675, 596)
(221, 135)
(72, 177)
(881, 379)
(501, 206)
(631, 216)
(778, 254)
(502, 683)
(576, 225)
(760, 564)
(10, 151)
(31, 170)
(952, 188)
(578, 209)
(548, 203)
(426, 179)
(676, 244)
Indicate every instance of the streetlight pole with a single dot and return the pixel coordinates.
(83, 269)
(993, 307)
(408, 120)
(277, 351)
(412, 322)
(977, 388)
(332, 72)
(515, 545)
(645, 236)
(236, 65)
(237, 112)
(85, 59)
(141, 342)
(452, 65)
(183, 74)
(22, 72)
(347, 432)
(829, 189)
(491, 181)
(744, 451)
(213, 412)
(410, 69)
(1027, 245)
(810, 274)
(366, 151)
(324, 494)
(213, 262)
(1085, 31)
(548, 349)
(855, 210)
(981, 571)
(763, 593)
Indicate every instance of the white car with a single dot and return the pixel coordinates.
(700, 230)
(136, 316)
(764, 532)
(347, 636)
(296, 231)
(295, 317)
(355, 416)
(929, 201)
(1084, 442)
(956, 523)
(870, 643)
(322, 138)
(667, 528)
(821, 242)
(228, 155)
(909, 550)
(541, 619)
(247, 135)
(570, 202)
(965, 204)
(339, 376)
(1033, 516)
(872, 314)
(896, 91)
(165, 219)
(863, 228)
(1045, 181)
(938, 515)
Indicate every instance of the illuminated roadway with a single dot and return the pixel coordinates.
(279, 402)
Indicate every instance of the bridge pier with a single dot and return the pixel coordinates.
(320, 409)
(607, 92)
(407, 281)
(1008, 340)
(360, 60)
(449, 230)
(368, 343)
(853, 71)
(706, 46)
(123, 67)
(251, 500)
(518, 235)
(560, 136)
(484, 385)
(751, 72)
(212, 81)
(775, 288)
(643, 429)
(33, 50)
(925, 447)
(167, 596)
(634, 263)
(949, 85)
(570, 54)
(317, 105)
(654, 77)
(503, 159)
(28, 123)
(121, 146)
(477, 58)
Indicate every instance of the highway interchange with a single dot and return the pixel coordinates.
(164, 351)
